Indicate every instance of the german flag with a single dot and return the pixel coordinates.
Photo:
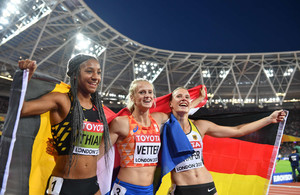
(24, 164)
(242, 165)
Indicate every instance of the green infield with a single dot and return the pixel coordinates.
(283, 166)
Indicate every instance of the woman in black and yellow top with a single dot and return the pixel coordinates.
(78, 125)
(190, 176)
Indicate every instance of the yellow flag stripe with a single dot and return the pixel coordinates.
(42, 163)
(228, 184)
(235, 184)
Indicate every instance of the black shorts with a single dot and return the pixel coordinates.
(87, 186)
(200, 189)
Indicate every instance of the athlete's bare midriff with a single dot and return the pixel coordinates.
(142, 176)
(82, 167)
(192, 177)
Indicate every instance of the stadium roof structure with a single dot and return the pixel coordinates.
(49, 31)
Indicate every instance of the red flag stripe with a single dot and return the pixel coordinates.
(227, 155)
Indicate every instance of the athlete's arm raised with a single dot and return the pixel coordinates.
(212, 129)
(50, 102)
(28, 64)
(198, 100)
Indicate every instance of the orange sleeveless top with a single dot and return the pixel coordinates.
(141, 147)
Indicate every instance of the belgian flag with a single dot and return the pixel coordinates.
(24, 164)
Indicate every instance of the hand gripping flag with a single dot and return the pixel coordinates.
(242, 165)
(24, 164)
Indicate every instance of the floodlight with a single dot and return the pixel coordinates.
(148, 70)
(85, 45)
(269, 72)
(288, 72)
(280, 94)
(206, 73)
(20, 15)
(4, 73)
(223, 73)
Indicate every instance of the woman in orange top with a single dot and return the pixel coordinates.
(138, 140)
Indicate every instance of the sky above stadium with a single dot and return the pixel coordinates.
(211, 26)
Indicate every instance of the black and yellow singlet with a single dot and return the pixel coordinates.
(89, 141)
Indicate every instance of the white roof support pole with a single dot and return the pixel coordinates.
(168, 78)
(109, 86)
(198, 69)
(103, 70)
(39, 38)
(235, 81)
(268, 79)
(57, 49)
(253, 84)
(210, 99)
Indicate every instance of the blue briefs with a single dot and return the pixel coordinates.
(120, 187)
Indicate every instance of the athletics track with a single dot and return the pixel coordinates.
(285, 189)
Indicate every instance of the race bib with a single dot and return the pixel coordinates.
(194, 161)
(85, 151)
(54, 185)
(90, 139)
(118, 190)
(146, 149)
